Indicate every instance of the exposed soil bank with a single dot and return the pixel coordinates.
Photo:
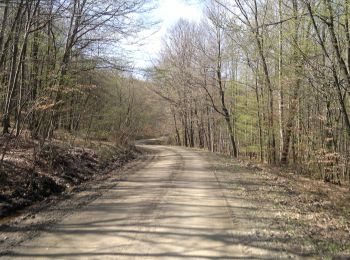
(28, 177)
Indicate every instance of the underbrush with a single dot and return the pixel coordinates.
(28, 176)
(312, 216)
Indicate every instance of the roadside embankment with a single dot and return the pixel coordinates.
(28, 176)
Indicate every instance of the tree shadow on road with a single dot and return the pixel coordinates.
(158, 216)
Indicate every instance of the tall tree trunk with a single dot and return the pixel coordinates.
(261, 140)
(11, 83)
(281, 89)
(295, 96)
(20, 92)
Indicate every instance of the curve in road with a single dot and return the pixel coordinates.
(173, 208)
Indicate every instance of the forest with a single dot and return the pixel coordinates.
(232, 141)
(70, 104)
(266, 80)
(60, 70)
(260, 80)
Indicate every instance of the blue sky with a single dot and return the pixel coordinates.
(168, 13)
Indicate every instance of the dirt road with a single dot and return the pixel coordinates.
(174, 208)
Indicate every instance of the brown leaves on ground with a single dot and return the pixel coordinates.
(27, 177)
(288, 212)
(314, 213)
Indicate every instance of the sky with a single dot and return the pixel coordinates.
(168, 13)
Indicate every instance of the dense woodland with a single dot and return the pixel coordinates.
(63, 70)
(70, 104)
(266, 80)
(265, 84)
(263, 79)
